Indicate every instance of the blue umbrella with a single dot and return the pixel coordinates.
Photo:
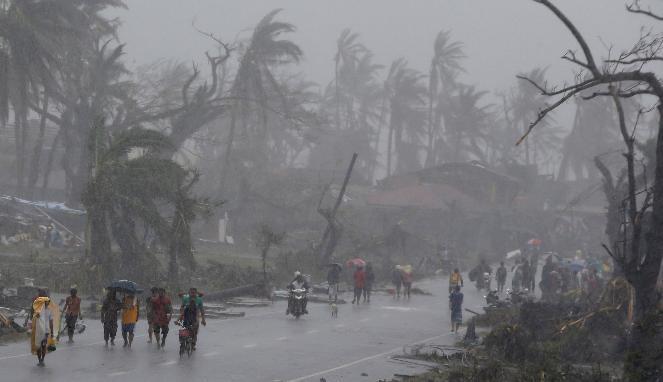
(125, 286)
(574, 265)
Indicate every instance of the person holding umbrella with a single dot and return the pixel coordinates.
(359, 278)
(109, 310)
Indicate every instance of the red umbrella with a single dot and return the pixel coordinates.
(534, 242)
(355, 262)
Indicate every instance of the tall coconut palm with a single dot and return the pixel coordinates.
(465, 124)
(526, 102)
(347, 54)
(444, 68)
(255, 79)
(594, 132)
(35, 36)
(406, 115)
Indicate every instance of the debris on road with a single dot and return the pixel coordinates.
(248, 302)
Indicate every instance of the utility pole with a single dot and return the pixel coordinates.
(330, 237)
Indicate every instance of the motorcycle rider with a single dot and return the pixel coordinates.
(299, 282)
(479, 271)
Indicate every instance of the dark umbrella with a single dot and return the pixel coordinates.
(125, 286)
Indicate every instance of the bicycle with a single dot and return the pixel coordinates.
(186, 339)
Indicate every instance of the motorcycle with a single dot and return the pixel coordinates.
(492, 297)
(483, 282)
(518, 297)
(296, 301)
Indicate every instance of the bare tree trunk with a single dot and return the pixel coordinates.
(390, 140)
(49, 163)
(225, 165)
(36, 152)
(20, 156)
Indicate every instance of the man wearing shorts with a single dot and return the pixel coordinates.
(72, 312)
(130, 313)
(163, 311)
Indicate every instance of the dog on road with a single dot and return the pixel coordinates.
(334, 310)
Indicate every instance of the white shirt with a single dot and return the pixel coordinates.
(46, 315)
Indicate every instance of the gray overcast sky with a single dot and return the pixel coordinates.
(501, 37)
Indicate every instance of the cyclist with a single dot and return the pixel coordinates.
(189, 320)
(198, 301)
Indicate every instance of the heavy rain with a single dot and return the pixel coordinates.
(332, 190)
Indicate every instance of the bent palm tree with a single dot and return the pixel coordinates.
(255, 78)
(444, 68)
(129, 181)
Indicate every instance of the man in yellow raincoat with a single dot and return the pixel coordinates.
(45, 319)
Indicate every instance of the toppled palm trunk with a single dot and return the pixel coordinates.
(250, 289)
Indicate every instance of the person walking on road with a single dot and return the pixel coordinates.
(333, 277)
(456, 303)
(42, 336)
(526, 271)
(368, 286)
(397, 280)
(130, 314)
(150, 313)
(72, 312)
(455, 279)
(501, 277)
(163, 312)
(359, 278)
(407, 283)
(109, 311)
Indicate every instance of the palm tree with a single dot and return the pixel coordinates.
(594, 132)
(255, 79)
(465, 124)
(125, 189)
(444, 68)
(526, 101)
(186, 209)
(356, 99)
(35, 37)
(345, 59)
(406, 121)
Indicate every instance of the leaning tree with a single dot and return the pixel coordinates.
(627, 75)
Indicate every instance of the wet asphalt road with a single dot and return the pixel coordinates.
(263, 346)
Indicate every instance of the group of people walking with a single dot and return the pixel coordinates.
(401, 277)
(363, 279)
(363, 283)
(46, 317)
(159, 312)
